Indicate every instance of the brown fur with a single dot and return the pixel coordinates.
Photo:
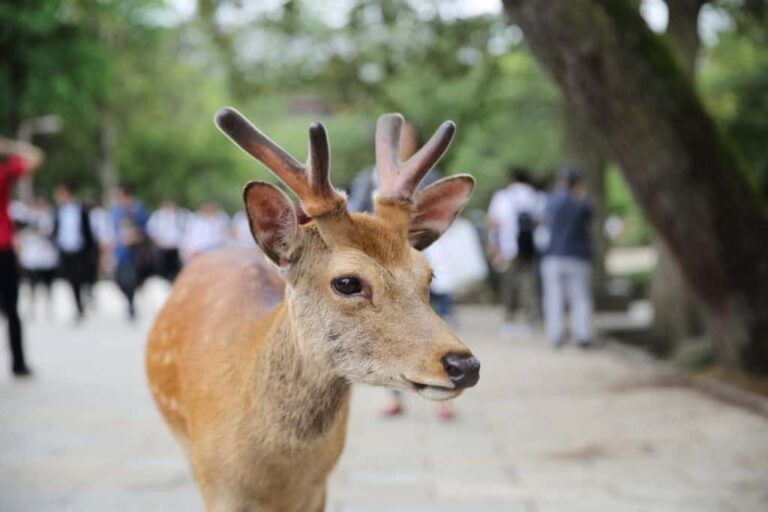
(252, 376)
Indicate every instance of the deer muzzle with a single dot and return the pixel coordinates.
(462, 369)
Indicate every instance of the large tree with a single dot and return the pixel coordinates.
(625, 80)
(675, 317)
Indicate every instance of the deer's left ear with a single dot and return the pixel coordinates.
(435, 207)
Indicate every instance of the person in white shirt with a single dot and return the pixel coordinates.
(207, 229)
(457, 262)
(513, 215)
(38, 256)
(241, 231)
(74, 240)
(166, 228)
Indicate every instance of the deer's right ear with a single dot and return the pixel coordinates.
(273, 221)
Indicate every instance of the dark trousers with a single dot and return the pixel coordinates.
(127, 279)
(74, 269)
(168, 263)
(442, 303)
(520, 291)
(38, 277)
(9, 297)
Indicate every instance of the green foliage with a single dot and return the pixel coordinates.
(734, 82)
(157, 83)
(103, 64)
(619, 202)
(392, 57)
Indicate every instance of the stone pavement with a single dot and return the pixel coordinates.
(544, 431)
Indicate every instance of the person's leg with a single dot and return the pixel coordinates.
(74, 274)
(90, 274)
(508, 292)
(395, 405)
(175, 264)
(83, 279)
(445, 410)
(517, 289)
(553, 300)
(580, 298)
(515, 325)
(168, 266)
(160, 262)
(32, 278)
(528, 292)
(125, 277)
(47, 277)
(9, 296)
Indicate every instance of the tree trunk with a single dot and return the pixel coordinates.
(107, 168)
(623, 79)
(675, 314)
(583, 149)
(683, 32)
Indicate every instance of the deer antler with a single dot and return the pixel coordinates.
(399, 180)
(310, 183)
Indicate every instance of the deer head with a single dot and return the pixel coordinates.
(357, 285)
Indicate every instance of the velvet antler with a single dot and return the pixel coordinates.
(399, 180)
(311, 182)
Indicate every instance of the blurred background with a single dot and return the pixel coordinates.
(650, 115)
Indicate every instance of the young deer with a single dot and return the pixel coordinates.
(251, 368)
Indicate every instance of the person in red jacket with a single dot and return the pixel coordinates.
(16, 159)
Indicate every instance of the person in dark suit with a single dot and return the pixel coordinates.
(74, 239)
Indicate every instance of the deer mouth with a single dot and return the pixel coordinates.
(432, 391)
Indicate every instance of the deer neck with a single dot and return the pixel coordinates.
(299, 388)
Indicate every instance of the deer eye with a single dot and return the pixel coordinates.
(347, 285)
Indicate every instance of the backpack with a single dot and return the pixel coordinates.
(526, 246)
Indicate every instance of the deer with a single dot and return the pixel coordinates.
(251, 358)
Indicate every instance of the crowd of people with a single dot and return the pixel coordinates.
(79, 241)
(537, 240)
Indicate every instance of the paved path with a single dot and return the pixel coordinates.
(543, 431)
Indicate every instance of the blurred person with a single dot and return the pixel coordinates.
(74, 241)
(16, 159)
(166, 229)
(457, 262)
(103, 234)
(241, 231)
(513, 215)
(441, 297)
(207, 229)
(129, 242)
(363, 185)
(565, 269)
(543, 187)
(93, 267)
(38, 255)
(101, 224)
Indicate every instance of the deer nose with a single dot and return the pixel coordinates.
(462, 369)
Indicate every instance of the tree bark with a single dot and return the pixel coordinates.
(624, 80)
(683, 32)
(107, 165)
(675, 314)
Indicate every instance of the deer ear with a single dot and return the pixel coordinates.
(273, 221)
(435, 207)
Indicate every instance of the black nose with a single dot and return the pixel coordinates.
(462, 369)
